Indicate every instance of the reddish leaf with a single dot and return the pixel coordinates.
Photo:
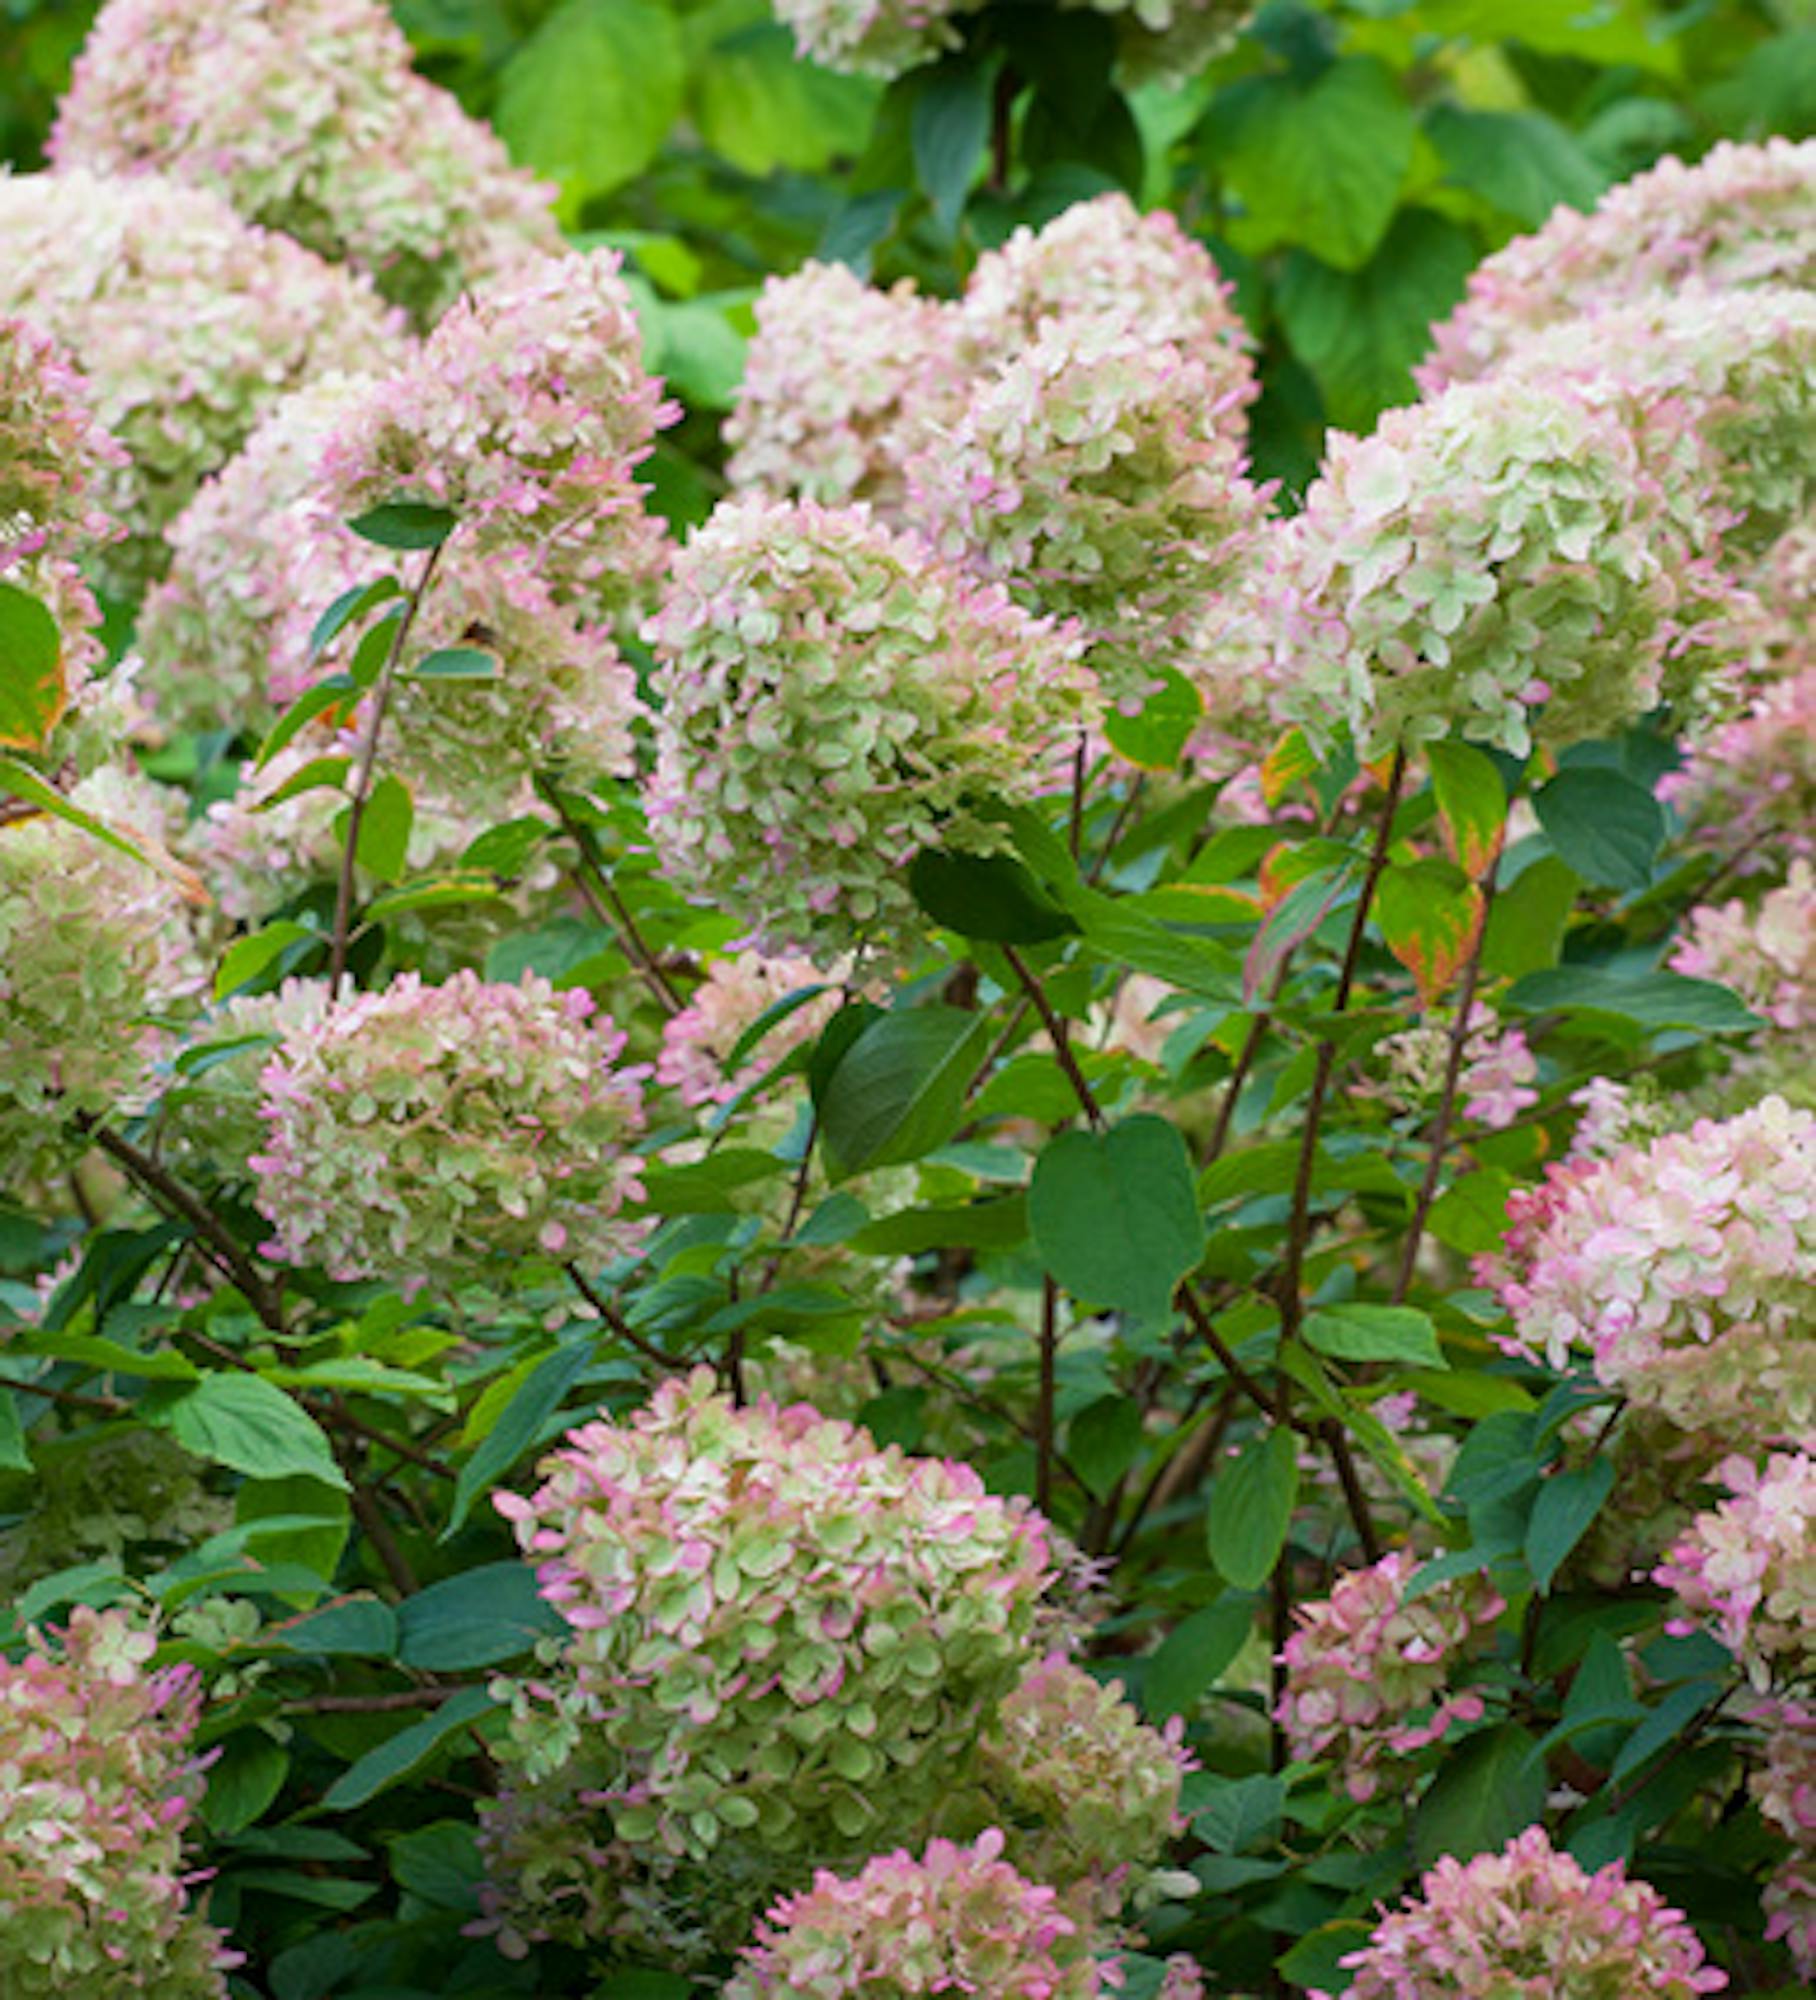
(1472, 805)
(1429, 913)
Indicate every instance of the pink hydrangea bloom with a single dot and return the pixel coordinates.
(1530, 1922)
(526, 413)
(835, 381)
(1087, 1792)
(1499, 563)
(92, 943)
(1749, 1566)
(1767, 954)
(1741, 217)
(185, 321)
(1683, 1267)
(832, 700)
(54, 454)
(308, 117)
(784, 1642)
(1100, 473)
(958, 1920)
(880, 38)
(1752, 785)
(422, 1132)
(1372, 1678)
(734, 995)
(1784, 1788)
(100, 1786)
(1495, 1082)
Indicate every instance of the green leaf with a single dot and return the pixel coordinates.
(455, 663)
(394, 1759)
(1487, 1789)
(898, 1090)
(1527, 918)
(1520, 162)
(1374, 1333)
(439, 1863)
(1471, 1215)
(1114, 1214)
(434, 892)
(988, 896)
(1429, 913)
(1192, 1655)
(1360, 332)
(242, 1421)
(14, 1455)
(347, 607)
(1316, 1961)
(477, 1619)
(24, 783)
(33, 690)
(517, 1427)
(1155, 736)
(1103, 1441)
(319, 774)
(1317, 161)
(245, 1776)
(157, 1364)
(1240, 1813)
(1251, 1508)
(1654, 999)
(591, 95)
(247, 957)
(1568, 1502)
(1472, 805)
(948, 127)
(384, 828)
(405, 524)
(1602, 825)
(360, 1626)
(756, 104)
(336, 691)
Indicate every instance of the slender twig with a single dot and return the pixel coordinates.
(1447, 1102)
(105, 1406)
(601, 893)
(1044, 1398)
(1075, 831)
(338, 1413)
(377, 1530)
(613, 1318)
(1354, 1497)
(366, 759)
(1117, 826)
(163, 1186)
(1180, 1473)
(1057, 1035)
(370, 1704)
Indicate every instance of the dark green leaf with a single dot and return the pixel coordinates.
(1192, 1655)
(988, 896)
(1527, 918)
(1567, 1503)
(1316, 1961)
(440, 1864)
(405, 524)
(348, 606)
(1487, 1789)
(518, 1427)
(245, 1422)
(399, 1755)
(246, 1775)
(1520, 162)
(1103, 1441)
(1155, 736)
(948, 127)
(1654, 999)
(336, 691)
(1114, 1214)
(1251, 1508)
(362, 1626)
(384, 828)
(1240, 1813)
(455, 663)
(1374, 1333)
(247, 957)
(1602, 825)
(1471, 1215)
(473, 1620)
(898, 1091)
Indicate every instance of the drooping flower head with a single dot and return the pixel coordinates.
(308, 117)
(1743, 216)
(526, 414)
(1749, 1565)
(185, 321)
(1529, 1921)
(1100, 474)
(1767, 954)
(835, 378)
(784, 1642)
(1373, 1678)
(100, 1786)
(1087, 1793)
(1498, 563)
(697, 1044)
(958, 1920)
(422, 1132)
(92, 944)
(1683, 1267)
(834, 699)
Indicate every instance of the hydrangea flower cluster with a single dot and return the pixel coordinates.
(1749, 1565)
(1683, 1266)
(53, 452)
(307, 116)
(1087, 1792)
(879, 38)
(1100, 474)
(186, 322)
(833, 700)
(1742, 384)
(1741, 217)
(1784, 1788)
(92, 942)
(99, 1786)
(225, 635)
(1498, 562)
(526, 413)
(1171, 41)
(1754, 780)
(1530, 1921)
(735, 994)
(836, 378)
(1495, 1082)
(424, 1131)
(784, 1640)
(958, 1920)
(1371, 1678)
(1767, 954)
